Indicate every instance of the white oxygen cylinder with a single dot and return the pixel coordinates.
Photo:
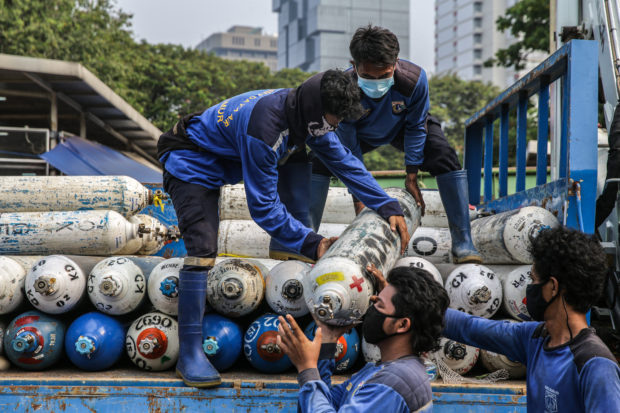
(57, 283)
(68, 232)
(244, 238)
(122, 194)
(150, 241)
(152, 342)
(435, 214)
(474, 289)
(371, 352)
(284, 289)
(432, 244)
(12, 276)
(514, 285)
(494, 361)
(457, 356)
(236, 287)
(265, 262)
(337, 290)
(116, 286)
(422, 264)
(505, 238)
(163, 285)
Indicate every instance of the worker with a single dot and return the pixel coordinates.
(396, 103)
(258, 137)
(405, 320)
(569, 368)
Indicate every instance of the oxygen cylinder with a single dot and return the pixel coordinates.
(371, 352)
(347, 347)
(260, 348)
(56, 284)
(12, 276)
(459, 357)
(222, 340)
(236, 287)
(95, 341)
(506, 238)
(422, 264)
(494, 361)
(474, 289)
(163, 286)
(152, 342)
(122, 194)
(284, 289)
(432, 244)
(435, 214)
(151, 241)
(68, 232)
(336, 290)
(266, 262)
(244, 238)
(34, 341)
(514, 285)
(116, 286)
(2, 330)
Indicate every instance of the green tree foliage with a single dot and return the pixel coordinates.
(161, 81)
(527, 20)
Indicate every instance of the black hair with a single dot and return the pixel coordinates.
(340, 95)
(422, 299)
(376, 45)
(576, 260)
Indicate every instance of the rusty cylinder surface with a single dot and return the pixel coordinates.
(337, 289)
(122, 194)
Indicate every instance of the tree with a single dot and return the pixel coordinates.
(528, 21)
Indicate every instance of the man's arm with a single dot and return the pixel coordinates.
(415, 130)
(510, 339)
(260, 177)
(599, 383)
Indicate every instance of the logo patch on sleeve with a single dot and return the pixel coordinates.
(398, 106)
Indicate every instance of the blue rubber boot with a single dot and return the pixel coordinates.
(454, 196)
(319, 187)
(193, 366)
(294, 192)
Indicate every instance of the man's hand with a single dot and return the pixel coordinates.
(379, 278)
(359, 206)
(397, 223)
(324, 246)
(411, 183)
(304, 354)
(331, 334)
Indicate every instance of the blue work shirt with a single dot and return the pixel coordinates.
(578, 376)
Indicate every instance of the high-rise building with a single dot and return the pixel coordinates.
(314, 35)
(243, 43)
(466, 37)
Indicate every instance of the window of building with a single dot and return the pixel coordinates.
(478, 6)
(477, 69)
(477, 53)
(273, 43)
(238, 40)
(478, 22)
(256, 42)
(477, 38)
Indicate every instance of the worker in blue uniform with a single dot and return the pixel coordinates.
(569, 368)
(258, 137)
(405, 320)
(396, 103)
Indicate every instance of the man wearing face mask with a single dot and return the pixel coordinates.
(258, 137)
(396, 103)
(569, 368)
(405, 320)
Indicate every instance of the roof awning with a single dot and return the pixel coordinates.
(65, 96)
(77, 156)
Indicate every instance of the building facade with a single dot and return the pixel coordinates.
(314, 35)
(465, 37)
(243, 43)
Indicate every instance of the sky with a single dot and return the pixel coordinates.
(188, 22)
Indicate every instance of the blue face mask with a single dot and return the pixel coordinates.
(375, 88)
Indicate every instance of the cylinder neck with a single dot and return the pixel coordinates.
(231, 288)
(46, 285)
(292, 290)
(110, 286)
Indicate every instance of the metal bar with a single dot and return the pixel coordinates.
(473, 161)
(19, 129)
(543, 133)
(521, 141)
(22, 93)
(488, 160)
(563, 158)
(504, 124)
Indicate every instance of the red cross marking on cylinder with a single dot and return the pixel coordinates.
(357, 282)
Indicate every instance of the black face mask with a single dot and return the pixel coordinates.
(535, 302)
(372, 327)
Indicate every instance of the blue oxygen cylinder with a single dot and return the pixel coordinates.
(222, 340)
(95, 341)
(347, 347)
(260, 348)
(34, 341)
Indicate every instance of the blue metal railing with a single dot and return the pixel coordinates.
(575, 66)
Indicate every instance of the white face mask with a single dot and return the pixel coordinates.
(375, 88)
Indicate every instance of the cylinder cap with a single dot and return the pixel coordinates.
(170, 287)
(110, 286)
(210, 346)
(292, 289)
(231, 288)
(25, 342)
(85, 345)
(45, 284)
